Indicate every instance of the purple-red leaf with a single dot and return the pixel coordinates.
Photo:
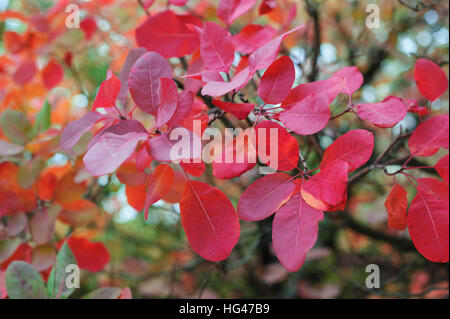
(144, 81)
(429, 136)
(430, 79)
(209, 220)
(240, 110)
(107, 93)
(442, 168)
(354, 147)
(308, 116)
(216, 48)
(265, 196)
(252, 37)
(277, 81)
(287, 146)
(428, 219)
(168, 96)
(169, 34)
(383, 114)
(294, 232)
(75, 130)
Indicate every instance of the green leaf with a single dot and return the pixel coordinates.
(16, 127)
(43, 119)
(104, 293)
(8, 247)
(29, 172)
(24, 282)
(56, 286)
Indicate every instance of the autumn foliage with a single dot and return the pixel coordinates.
(188, 67)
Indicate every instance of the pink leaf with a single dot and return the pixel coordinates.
(229, 10)
(163, 149)
(430, 136)
(265, 55)
(169, 34)
(124, 75)
(294, 232)
(144, 81)
(209, 220)
(442, 168)
(428, 219)
(430, 79)
(114, 147)
(219, 88)
(383, 114)
(25, 72)
(252, 37)
(238, 157)
(288, 150)
(265, 196)
(354, 147)
(353, 77)
(330, 88)
(240, 110)
(168, 95)
(178, 2)
(75, 130)
(277, 81)
(185, 104)
(216, 48)
(308, 116)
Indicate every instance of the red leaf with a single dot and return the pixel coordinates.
(169, 35)
(430, 79)
(114, 147)
(354, 147)
(428, 219)
(75, 130)
(294, 232)
(168, 95)
(240, 110)
(288, 149)
(265, 55)
(124, 75)
(429, 136)
(25, 72)
(136, 196)
(442, 168)
(185, 104)
(229, 10)
(265, 196)
(252, 37)
(329, 186)
(276, 83)
(89, 26)
(209, 220)
(330, 88)
(238, 157)
(107, 93)
(383, 114)
(52, 74)
(267, 6)
(194, 169)
(159, 185)
(216, 48)
(353, 78)
(397, 206)
(89, 255)
(144, 81)
(308, 116)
